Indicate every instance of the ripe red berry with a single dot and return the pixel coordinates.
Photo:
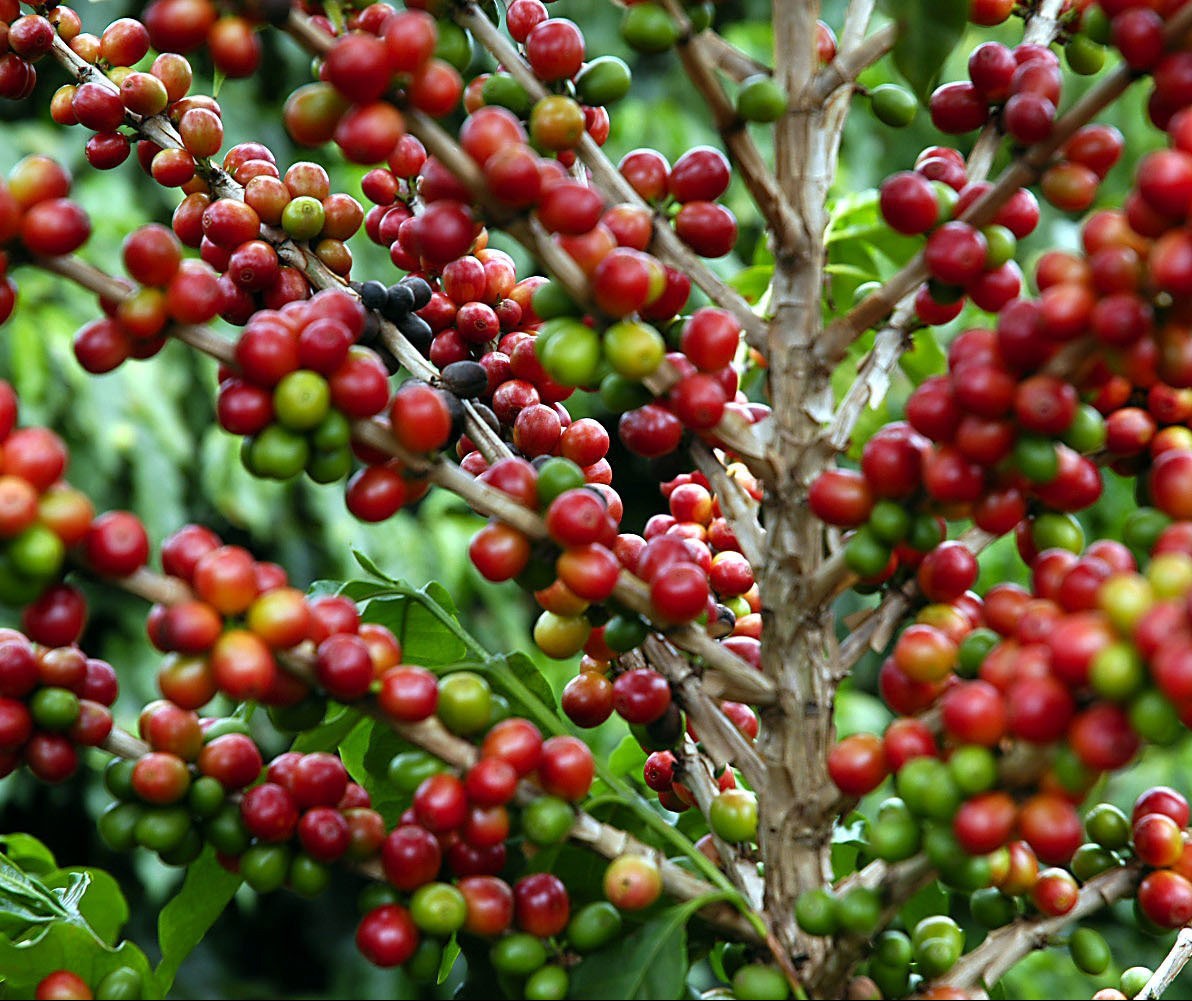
(857, 764)
(387, 936)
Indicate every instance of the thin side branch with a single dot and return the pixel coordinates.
(873, 374)
(1004, 947)
(740, 510)
(729, 676)
(721, 739)
(875, 631)
(848, 65)
(753, 170)
(730, 60)
(1169, 969)
(856, 22)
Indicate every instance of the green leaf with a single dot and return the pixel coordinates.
(27, 853)
(927, 34)
(753, 282)
(205, 893)
(848, 838)
(649, 964)
(872, 420)
(369, 567)
(68, 921)
(366, 753)
(451, 952)
(63, 945)
(932, 899)
(327, 735)
(95, 896)
(627, 757)
(15, 886)
(425, 638)
(925, 358)
(518, 678)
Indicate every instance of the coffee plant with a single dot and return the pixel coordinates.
(738, 498)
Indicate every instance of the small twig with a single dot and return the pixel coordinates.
(851, 63)
(1169, 969)
(719, 736)
(726, 676)
(856, 22)
(873, 374)
(980, 158)
(1043, 23)
(740, 510)
(753, 170)
(877, 628)
(730, 60)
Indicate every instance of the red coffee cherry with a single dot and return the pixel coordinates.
(387, 936)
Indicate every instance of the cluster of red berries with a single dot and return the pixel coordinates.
(460, 826)
(42, 517)
(705, 568)
(53, 700)
(383, 51)
(581, 517)
(554, 49)
(227, 231)
(243, 615)
(231, 38)
(36, 217)
(25, 39)
(305, 816)
(961, 259)
(1092, 661)
(136, 327)
(103, 103)
(1158, 837)
(693, 185)
(1023, 82)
